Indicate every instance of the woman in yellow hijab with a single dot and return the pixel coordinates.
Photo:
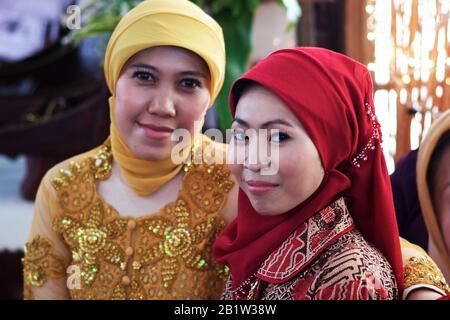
(125, 221)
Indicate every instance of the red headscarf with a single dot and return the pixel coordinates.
(331, 95)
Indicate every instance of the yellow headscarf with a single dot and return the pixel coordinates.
(426, 149)
(155, 23)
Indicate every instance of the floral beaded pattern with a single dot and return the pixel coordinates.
(177, 245)
(40, 263)
(166, 255)
(375, 137)
(92, 240)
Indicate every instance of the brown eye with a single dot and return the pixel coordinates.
(239, 136)
(190, 83)
(279, 137)
(143, 75)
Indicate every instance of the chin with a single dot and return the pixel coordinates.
(153, 153)
(263, 208)
(268, 213)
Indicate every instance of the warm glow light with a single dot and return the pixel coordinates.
(411, 57)
(406, 79)
(370, 9)
(371, 36)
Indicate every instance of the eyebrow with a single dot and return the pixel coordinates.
(192, 73)
(265, 124)
(145, 66)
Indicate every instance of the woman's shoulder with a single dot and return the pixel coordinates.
(67, 188)
(354, 265)
(209, 158)
(64, 172)
(208, 181)
(353, 244)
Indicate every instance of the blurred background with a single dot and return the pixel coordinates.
(53, 99)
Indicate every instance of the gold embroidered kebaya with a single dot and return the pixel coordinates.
(40, 263)
(166, 255)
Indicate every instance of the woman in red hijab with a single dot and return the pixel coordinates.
(322, 224)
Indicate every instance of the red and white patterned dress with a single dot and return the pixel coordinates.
(326, 258)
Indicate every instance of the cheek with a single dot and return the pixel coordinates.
(445, 222)
(291, 169)
(236, 170)
(129, 103)
(446, 232)
(188, 114)
(301, 174)
(126, 112)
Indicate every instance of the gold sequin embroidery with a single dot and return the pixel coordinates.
(421, 270)
(209, 196)
(165, 255)
(40, 263)
(92, 240)
(178, 243)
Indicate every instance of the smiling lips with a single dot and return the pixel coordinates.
(155, 132)
(260, 187)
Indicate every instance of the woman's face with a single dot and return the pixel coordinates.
(300, 170)
(159, 90)
(441, 195)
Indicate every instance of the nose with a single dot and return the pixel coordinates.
(162, 104)
(257, 166)
(256, 155)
